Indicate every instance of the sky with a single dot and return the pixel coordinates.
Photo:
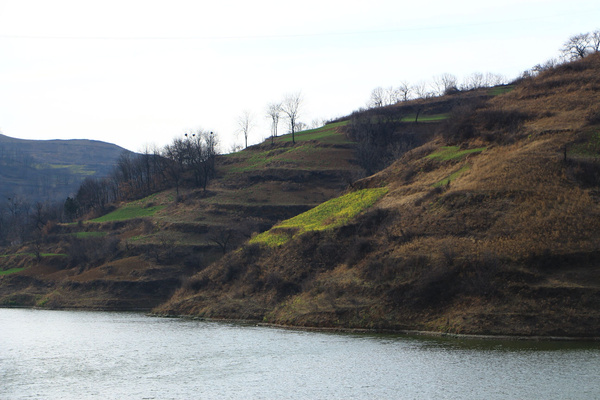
(140, 73)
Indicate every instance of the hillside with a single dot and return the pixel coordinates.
(135, 256)
(51, 170)
(487, 222)
(490, 227)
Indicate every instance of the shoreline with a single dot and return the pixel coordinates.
(406, 332)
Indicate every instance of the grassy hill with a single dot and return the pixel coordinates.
(51, 170)
(491, 227)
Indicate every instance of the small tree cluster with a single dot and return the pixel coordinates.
(186, 161)
(575, 48)
(440, 85)
(289, 108)
(194, 155)
(381, 137)
(579, 46)
(21, 221)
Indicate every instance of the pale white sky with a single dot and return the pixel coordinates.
(137, 72)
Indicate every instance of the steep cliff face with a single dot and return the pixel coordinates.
(493, 226)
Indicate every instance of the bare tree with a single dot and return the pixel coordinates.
(174, 158)
(274, 112)
(492, 79)
(405, 90)
(245, 125)
(301, 126)
(377, 98)
(595, 41)
(381, 97)
(475, 80)
(222, 236)
(211, 149)
(444, 83)
(421, 90)
(545, 66)
(317, 123)
(291, 108)
(578, 46)
(392, 95)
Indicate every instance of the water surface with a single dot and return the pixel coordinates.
(100, 355)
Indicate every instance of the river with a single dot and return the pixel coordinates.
(103, 355)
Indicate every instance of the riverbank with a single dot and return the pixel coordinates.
(407, 332)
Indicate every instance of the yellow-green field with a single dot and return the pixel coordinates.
(331, 214)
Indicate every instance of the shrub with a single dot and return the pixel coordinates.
(359, 250)
(586, 172)
(593, 117)
(195, 283)
(502, 120)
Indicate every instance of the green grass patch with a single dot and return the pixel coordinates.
(331, 214)
(498, 90)
(453, 153)
(11, 271)
(452, 176)
(426, 118)
(129, 211)
(72, 168)
(33, 255)
(325, 134)
(304, 156)
(87, 235)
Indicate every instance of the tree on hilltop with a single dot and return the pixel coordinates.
(291, 108)
(245, 125)
(274, 112)
(579, 46)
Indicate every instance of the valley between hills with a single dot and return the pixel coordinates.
(483, 219)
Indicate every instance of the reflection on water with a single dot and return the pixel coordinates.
(80, 355)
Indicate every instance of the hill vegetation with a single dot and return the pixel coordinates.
(136, 254)
(47, 171)
(476, 211)
(490, 226)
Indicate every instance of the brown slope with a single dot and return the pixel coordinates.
(510, 246)
(137, 263)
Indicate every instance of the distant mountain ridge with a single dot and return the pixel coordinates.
(51, 170)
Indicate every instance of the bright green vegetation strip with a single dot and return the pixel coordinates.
(498, 90)
(86, 235)
(129, 211)
(11, 271)
(262, 158)
(33, 255)
(72, 168)
(426, 118)
(325, 134)
(305, 156)
(331, 214)
(452, 176)
(453, 153)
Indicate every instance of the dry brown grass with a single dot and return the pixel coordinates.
(511, 246)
